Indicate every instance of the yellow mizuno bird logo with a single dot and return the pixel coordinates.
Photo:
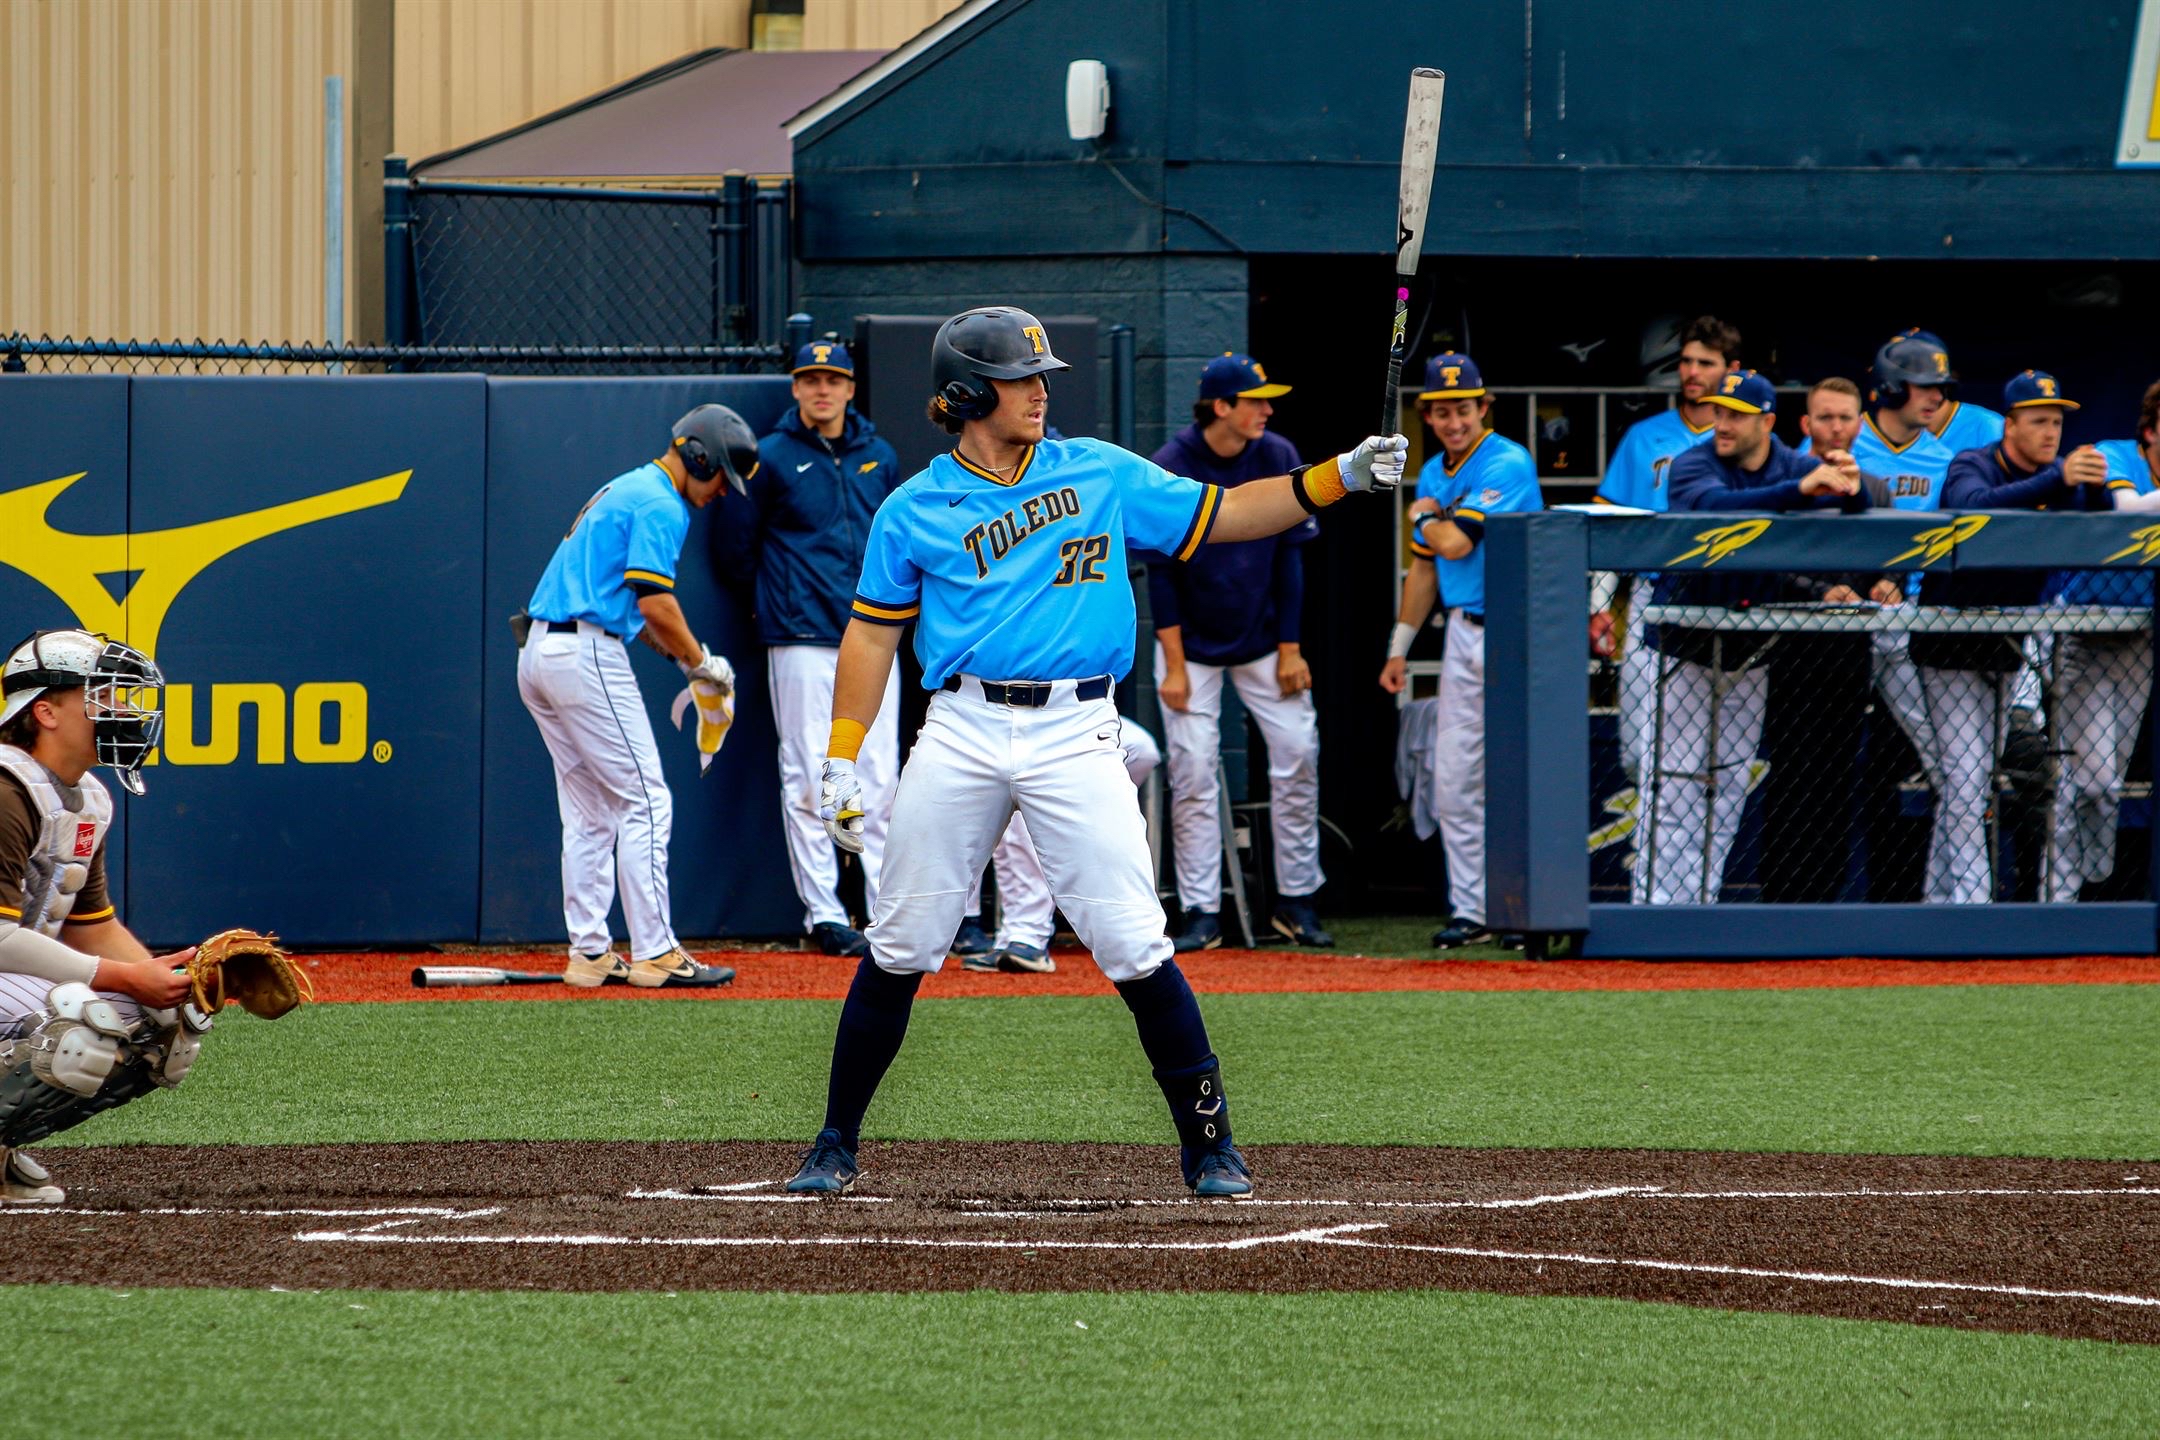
(1715, 545)
(1931, 545)
(164, 562)
(866, 467)
(2146, 548)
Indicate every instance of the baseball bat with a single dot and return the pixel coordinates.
(435, 977)
(1420, 151)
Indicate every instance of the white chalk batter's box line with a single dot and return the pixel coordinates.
(1354, 1234)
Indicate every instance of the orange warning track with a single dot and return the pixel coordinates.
(790, 975)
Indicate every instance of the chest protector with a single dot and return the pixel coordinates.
(73, 821)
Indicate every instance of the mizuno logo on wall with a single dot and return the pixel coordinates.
(157, 566)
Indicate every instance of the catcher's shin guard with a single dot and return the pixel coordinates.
(44, 1075)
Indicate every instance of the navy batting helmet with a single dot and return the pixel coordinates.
(714, 440)
(994, 342)
(1913, 358)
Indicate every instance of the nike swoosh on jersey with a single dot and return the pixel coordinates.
(954, 501)
(804, 466)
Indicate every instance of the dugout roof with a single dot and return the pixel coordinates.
(697, 118)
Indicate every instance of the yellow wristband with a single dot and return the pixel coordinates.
(847, 738)
(1322, 483)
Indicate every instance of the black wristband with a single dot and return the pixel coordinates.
(1297, 489)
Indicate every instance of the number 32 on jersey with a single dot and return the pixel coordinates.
(1084, 559)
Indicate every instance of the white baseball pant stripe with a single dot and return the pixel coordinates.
(1458, 765)
(801, 679)
(1970, 710)
(1291, 731)
(1027, 915)
(2102, 687)
(1060, 766)
(1696, 797)
(616, 811)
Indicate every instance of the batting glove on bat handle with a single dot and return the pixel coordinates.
(840, 805)
(1376, 465)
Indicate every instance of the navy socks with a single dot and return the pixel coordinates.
(1175, 1039)
(873, 1022)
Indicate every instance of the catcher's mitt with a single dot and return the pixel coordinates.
(250, 968)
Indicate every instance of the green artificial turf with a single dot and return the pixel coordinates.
(1398, 937)
(2016, 1070)
(355, 1363)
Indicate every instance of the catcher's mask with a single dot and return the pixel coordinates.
(119, 685)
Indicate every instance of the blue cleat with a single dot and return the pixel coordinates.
(972, 947)
(1220, 1173)
(1025, 960)
(828, 1167)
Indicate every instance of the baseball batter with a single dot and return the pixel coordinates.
(1009, 554)
(88, 1018)
(1475, 474)
(610, 581)
(2103, 683)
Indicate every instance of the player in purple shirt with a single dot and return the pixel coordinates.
(1233, 609)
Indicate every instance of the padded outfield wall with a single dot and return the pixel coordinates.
(323, 566)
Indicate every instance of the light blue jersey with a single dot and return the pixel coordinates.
(1914, 470)
(630, 533)
(2127, 471)
(1636, 475)
(1969, 427)
(1026, 579)
(1497, 477)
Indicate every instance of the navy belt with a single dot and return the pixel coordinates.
(1475, 617)
(1034, 694)
(569, 627)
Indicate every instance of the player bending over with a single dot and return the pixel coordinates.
(1009, 554)
(88, 1020)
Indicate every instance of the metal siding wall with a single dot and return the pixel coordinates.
(869, 24)
(469, 68)
(162, 166)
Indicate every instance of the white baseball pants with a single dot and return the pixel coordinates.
(1696, 793)
(1291, 730)
(23, 996)
(1061, 766)
(616, 812)
(1970, 710)
(2101, 690)
(801, 678)
(1637, 704)
(1458, 765)
(1027, 914)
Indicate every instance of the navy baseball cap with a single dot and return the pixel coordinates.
(2028, 388)
(1237, 377)
(1747, 392)
(824, 355)
(1451, 375)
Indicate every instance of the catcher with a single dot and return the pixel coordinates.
(89, 1019)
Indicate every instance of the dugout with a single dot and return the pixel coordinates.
(1822, 177)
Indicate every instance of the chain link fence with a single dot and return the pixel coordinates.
(528, 265)
(44, 355)
(1875, 737)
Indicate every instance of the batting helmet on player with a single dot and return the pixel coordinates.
(113, 678)
(975, 347)
(714, 440)
(1914, 358)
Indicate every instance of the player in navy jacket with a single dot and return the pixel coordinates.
(1969, 679)
(1692, 797)
(1234, 609)
(822, 473)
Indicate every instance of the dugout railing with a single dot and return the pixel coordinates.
(1605, 834)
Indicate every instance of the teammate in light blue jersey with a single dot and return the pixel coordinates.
(1495, 477)
(1009, 555)
(1959, 424)
(1023, 575)
(1636, 473)
(625, 543)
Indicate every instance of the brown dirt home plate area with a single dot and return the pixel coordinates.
(2055, 1247)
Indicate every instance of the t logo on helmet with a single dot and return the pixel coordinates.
(1034, 334)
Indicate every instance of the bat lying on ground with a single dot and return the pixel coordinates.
(432, 977)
